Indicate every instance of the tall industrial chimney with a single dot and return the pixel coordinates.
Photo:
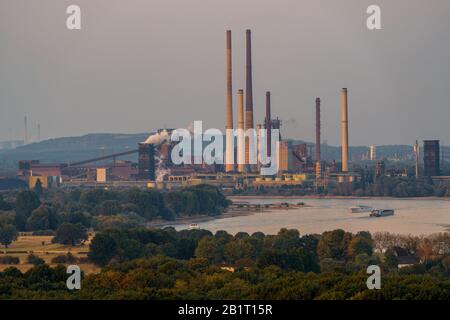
(229, 152)
(268, 124)
(345, 153)
(249, 96)
(318, 155)
(39, 132)
(241, 136)
(25, 137)
(416, 158)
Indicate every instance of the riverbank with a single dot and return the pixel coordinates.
(237, 209)
(204, 218)
(421, 216)
(318, 197)
(276, 205)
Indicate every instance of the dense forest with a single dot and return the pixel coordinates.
(68, 214)
(196, 264)
(141, 263)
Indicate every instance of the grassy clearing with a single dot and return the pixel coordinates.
(42, 247)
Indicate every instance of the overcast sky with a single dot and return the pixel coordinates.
(139, 65)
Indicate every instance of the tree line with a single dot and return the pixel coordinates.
(197, 264)
(397, 187)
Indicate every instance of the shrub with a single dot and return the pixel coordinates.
(35, 260)
(44, 233)
(70, 234)
(63, 259)
(9, 260)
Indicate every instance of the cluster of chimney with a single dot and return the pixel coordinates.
(249, 122)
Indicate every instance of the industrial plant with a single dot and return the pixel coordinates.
(298, 164)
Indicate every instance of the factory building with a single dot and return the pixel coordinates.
(301, 159)
(380, 169)
(286, 157)
(431, 158)
(28, 168)
(296, 161)
(146, 159)
(372, 153)
(47, 182)
(103, 174)
(294, 158)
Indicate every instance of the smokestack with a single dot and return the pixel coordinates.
(268, 125)
(249, 95)
(241, 137)
(416, 155)
(318, 130)
(229, 153)
(39, 132)
(345, 154)
(25, 138)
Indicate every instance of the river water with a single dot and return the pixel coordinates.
(412, 216)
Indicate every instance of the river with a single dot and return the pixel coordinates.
(412, 216)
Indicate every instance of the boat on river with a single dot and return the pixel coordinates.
(382, 213)
(359, 209)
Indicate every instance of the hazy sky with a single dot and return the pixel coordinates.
(138, 65)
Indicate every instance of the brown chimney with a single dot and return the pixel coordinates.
(249, 94)
(318, 155)
(345, 153)
(229, 153)
(268, 124)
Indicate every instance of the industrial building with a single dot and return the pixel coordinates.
(380, 169)
(297, 162)
(47, 182)
(146, 161)
(373, 153)
(431, 158)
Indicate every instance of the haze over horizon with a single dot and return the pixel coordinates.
(137, 66)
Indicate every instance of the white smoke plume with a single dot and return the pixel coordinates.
(161, 170)
(158, 138)
(190, 127)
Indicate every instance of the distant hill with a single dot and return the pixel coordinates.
(75, 148)
(94, 145)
